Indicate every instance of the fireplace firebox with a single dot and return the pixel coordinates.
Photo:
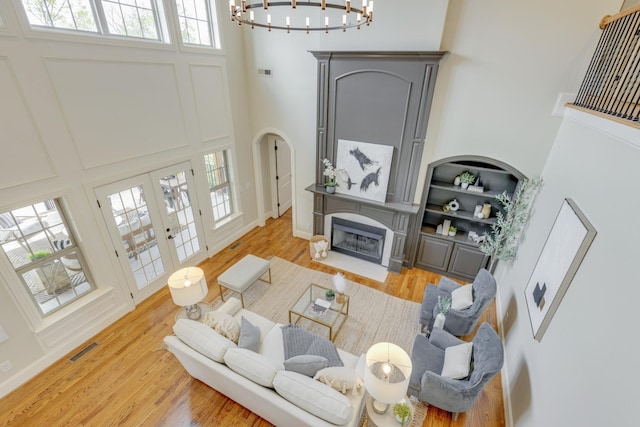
(358, 240)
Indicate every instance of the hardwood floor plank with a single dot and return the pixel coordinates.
(130, 380)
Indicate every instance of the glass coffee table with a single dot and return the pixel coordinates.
(312, 305)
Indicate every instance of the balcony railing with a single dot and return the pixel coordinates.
(611, 86)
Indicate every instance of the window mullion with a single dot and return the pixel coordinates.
(100, 17)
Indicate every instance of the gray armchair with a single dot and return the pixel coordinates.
(455, 396)
(458, 322)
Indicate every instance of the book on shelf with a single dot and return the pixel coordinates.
(319, 307)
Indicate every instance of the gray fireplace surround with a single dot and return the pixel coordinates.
(377, 98)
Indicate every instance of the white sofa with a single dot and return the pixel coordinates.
(258, 380)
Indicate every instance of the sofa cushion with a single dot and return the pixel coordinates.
(306, 364)
(202, 339)
(314, 397)
(340, 378)
(457, 361)
(224, 324)
(462, 297)
(253, 366)
(249, 335)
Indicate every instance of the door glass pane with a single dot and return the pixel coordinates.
(132, 218)
(179, 210)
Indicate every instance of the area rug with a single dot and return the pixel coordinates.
(373, 315)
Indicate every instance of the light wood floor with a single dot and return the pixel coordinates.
(129, 380)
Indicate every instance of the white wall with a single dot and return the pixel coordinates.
(585, 363)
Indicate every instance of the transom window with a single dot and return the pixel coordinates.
(44, 255)
(196, 18)
(128, 18)
(219, 184)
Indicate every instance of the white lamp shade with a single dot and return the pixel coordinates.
(188, 286)
(392, 387)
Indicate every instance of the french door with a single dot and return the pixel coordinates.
(155, 226)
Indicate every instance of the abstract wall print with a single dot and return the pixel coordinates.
(364, 169)
(566, 246)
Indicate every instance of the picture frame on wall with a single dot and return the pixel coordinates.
(565, 248)
(364, 169)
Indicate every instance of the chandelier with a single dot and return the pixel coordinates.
(332, 16)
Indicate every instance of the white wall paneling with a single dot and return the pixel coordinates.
(118, 111)
(212, 102)
(20, 137)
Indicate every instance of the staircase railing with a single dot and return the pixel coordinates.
(611, 86)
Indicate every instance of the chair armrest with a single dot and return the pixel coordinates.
(447, 284)
(443, 339)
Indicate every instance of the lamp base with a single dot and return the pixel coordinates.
(194, 312)
(379, 407)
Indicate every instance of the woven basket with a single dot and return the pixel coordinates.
(312, 250)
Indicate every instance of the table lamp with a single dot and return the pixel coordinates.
(387, 375)
(188, 286)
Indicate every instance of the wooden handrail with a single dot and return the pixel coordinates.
(606, 20)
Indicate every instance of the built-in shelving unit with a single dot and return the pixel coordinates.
(459, 256)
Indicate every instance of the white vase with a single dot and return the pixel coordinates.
(439, 321)
(464, 185)
(331, 189)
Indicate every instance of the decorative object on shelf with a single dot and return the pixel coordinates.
(402, 412)
(456, 181)
(466, 178)
(477, 213)
(567, 244)
(332, 173)
(454, 205)
(502, 242)
(475, 237)
(452, 231)
(330, 295)
(486, 210)
(334, 16)
(446, 208)
(476, 188)
(445, 227)
(365, 169)
(188, 286)
(439, 229)
(387, 375)
(340, 285)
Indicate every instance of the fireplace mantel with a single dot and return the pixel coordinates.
(396, 216)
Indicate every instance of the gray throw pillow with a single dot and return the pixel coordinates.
(249, 336)
(306, 364)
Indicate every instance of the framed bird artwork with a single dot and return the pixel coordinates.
(364, 169)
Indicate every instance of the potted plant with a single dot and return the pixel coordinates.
(330, 295)
(340, 285)
(444, 304)
(466, 178)
(332, 173)
(452, 231)
(402, 412)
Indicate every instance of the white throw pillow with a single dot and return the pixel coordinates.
(253, 366)
(339, 378)
(462, 297)
(224, 324)
(202, 339)
(457, 361)
(313, 397)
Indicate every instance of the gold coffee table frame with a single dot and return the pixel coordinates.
(333, 318)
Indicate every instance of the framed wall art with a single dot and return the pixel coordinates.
(364, 169)
(567, 244)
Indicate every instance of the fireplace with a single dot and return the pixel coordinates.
(358, 240)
